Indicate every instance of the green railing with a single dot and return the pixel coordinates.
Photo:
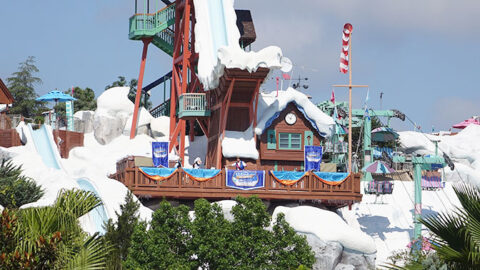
(193, 105)
(150, 24)
(161, 110)
(164, 41)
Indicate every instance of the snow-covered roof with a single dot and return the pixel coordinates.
(270, 106)
(217, 43)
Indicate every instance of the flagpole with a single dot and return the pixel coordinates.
(350, 104)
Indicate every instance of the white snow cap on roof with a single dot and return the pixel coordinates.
(326, 225)
(217, 42)
(239, 144)
(269, 105)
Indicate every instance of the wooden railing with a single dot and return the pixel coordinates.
(181, 186)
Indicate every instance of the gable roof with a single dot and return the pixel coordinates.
(5, 95)
(270, 106)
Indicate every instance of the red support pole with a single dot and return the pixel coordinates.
(133, 130)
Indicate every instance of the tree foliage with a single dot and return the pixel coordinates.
(15, 188)
(46, 248)
(50, 237)
(176, 241)
(457, 235)
(145, 99)
(119, 233)
(85, 100)
(22, 86)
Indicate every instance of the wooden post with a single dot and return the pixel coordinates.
(133, 129)
(350, 104)
(350, 87)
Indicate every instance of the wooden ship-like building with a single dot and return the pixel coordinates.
(233, 106)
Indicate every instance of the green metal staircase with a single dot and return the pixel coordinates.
(156, 26)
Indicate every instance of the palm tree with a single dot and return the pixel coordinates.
(457, 234)
(77, 250)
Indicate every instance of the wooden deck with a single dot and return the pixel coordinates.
(180, 186)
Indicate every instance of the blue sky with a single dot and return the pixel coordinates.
(421, 54)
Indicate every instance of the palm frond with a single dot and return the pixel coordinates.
(91, 255)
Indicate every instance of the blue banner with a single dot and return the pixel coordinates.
(245, 180)
(313, 157)
(160, 154)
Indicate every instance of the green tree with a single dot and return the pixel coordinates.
(457, 234)
(15, 188)
(10, 258)
(210, 241)
(77, 249)
(22, 86)
(85, 102)
(119, 233)
(144, 101)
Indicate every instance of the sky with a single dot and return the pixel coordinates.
(421, 54)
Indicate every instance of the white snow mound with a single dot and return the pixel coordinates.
(327, 226)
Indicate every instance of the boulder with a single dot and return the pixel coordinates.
(342, 266)
(327, 254)
(107, 127)
(83, 121)
(358, 260)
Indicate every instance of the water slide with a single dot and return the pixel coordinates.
(217, 42)
(47, 149)
(45, 145)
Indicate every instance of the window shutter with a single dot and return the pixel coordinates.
(271, 139)
(308, 141)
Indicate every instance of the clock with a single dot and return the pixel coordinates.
(290, 118)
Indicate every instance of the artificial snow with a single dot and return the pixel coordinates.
(217, 43)
(389, 218)
(269, 105)
(239, 144)
(327, 226)
(463, 148)
(93, 162)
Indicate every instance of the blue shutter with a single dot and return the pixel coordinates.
(307, 141)
(271, 139)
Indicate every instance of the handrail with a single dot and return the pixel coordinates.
(164, 8)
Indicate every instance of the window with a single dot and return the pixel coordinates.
(271, 140)
(290, 141)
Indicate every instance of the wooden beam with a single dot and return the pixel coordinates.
(240, 104)
(203, 127)
(223, 123)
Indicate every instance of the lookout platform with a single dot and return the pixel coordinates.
(181, 186)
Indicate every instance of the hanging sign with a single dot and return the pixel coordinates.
(245, 180)
(312, 157)
(160, 154)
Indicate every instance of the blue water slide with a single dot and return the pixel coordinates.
(98, 214)
(217, 25)
(47, 149)
(45, 145)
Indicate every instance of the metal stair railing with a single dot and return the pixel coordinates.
(161, 110)
(149, 24)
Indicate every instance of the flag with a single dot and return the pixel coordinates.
(286, 76)
(332, 98)
(347, 30)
